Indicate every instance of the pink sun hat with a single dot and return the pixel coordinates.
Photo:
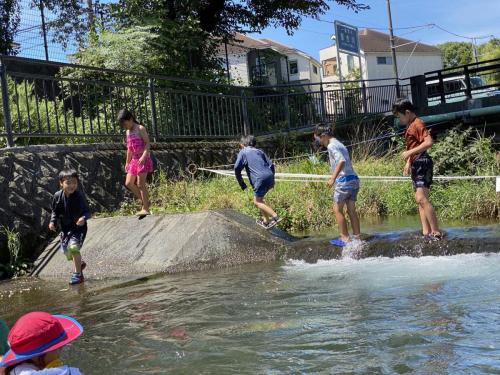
(37, 333)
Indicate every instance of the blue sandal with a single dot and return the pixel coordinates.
(337, 242)
(76, 278)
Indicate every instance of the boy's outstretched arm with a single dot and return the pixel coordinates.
(238, 167)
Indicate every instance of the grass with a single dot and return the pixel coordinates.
(16, 266)
(306, 206)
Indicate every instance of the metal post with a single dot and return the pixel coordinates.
(339, 65)
(44, 31)
(323, 106)
(441, 88)
(227, 64)
(6, 105)
(468, 88)
(287, 112)
(363, 84)
(244, 107)
(152, 98)
(474, 50)
(393, 49)
(363, 95)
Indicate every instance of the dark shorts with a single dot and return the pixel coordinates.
(421, 171)
(72, 242)
(261, 188)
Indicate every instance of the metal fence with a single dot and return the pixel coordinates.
(471, 81)
(71, 103)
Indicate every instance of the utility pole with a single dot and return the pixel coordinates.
(44, 32)
(474, 50)
(393, 49)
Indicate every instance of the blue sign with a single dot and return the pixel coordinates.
(347, 38)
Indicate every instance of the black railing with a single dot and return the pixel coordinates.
(72, 103)
(471, 81)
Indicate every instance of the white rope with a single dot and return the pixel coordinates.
(305, 177)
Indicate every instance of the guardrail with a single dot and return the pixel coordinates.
(463, 82)
(55, 102)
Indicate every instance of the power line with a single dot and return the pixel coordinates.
(462, 36)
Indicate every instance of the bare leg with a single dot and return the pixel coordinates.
(338, 208)
(77, 260)
(426, 227)
(353, 215)
(266, 211)
(130, 184)
(144, 196)
(422, 198)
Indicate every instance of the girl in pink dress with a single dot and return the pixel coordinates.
(138, 163)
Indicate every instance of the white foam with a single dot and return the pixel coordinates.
(383, 272)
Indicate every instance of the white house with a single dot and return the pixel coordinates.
(413, 58)
(265, 61)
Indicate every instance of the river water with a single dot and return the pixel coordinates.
(429, 315)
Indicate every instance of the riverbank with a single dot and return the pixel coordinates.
(306, 206)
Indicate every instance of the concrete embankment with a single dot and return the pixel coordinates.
(125, 247)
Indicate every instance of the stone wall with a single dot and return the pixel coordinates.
(28, 179)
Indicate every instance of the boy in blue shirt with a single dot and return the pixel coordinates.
(260, 172)
(346, 183)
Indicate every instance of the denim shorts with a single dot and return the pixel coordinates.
(261, 188)
(346, 191)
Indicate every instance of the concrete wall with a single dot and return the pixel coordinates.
(305, 69)
(238, 66)
(418, 63)
(28, 178)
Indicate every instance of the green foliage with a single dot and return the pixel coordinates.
(306, 206)
(490, 50)
(10, 17)
(456, 53)
(461, 151)
(16, 266)
(133, 49)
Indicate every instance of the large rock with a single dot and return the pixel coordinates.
(126, 246)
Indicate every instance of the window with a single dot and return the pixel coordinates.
(329, 67)
(384, 60)
(294, 67)
(350, 62)
(315, 69)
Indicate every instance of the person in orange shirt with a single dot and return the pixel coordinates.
(418, 164)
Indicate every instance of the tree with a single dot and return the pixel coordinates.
(190, 31)
(490, 50)
(456, 53)
(9, 22)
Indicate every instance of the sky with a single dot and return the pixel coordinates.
(463, 17)
(469, 18)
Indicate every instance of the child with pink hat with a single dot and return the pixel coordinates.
(35, 341)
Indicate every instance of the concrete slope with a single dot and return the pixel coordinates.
(126, 246)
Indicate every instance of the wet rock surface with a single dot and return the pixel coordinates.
(400, 243)
(125, 247)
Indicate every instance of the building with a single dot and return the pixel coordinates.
(413, 58)
(253, 61)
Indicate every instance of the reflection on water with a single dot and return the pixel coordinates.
(432, 315)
